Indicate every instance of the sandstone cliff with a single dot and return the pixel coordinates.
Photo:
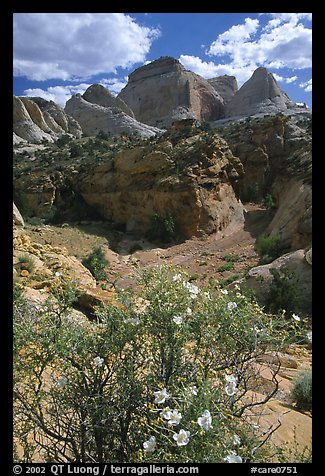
(276, 152)
(226, 86)
(97, 94)
(163, 91)
(94, 118)
(260, 94)
(193, 178)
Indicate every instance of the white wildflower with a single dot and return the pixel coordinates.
(150, 445)
(98, 361)
(177, 277)
(161, 396)
(205, 420)
(58, 274)
(192, 390)
(233, 458)
(235, 440)
(224, 291)
(296, 318)
(174, 418)
(178, 320)
(132, 320)
(165, 413)
(182, 438)
(231, 305)
(188, 311)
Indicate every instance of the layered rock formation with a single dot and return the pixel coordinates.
(276, 153)
(226, 86)
(191, 178)
(163, 91)
(259, 95)
(35, 119)
(112, 120)
(97, 94)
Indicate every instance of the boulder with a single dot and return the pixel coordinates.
(294, 264)
(260, 94)
(163, 91)
(17, 217)
(112, 120)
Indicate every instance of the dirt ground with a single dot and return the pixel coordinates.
(221, 256)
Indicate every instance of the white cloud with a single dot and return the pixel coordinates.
(228, 41)
(282, 43)
(77, 45)
(307, 86)
(286, 80)
(211, 69)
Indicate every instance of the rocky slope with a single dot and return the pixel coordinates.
(98, 94)
(93, 118)
(35, 119)
(276, 152)
(163, 91)
(260, 94)
(193, 178)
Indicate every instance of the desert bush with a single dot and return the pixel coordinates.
(269, 248)
(162, 377)
(26, 262)
(226, 267)
(268, 201)
(284, 292)
(96, 263)
(301, 393)
(163, 228)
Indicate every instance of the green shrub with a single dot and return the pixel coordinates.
(231, 258)
(268, 202)
(284, 292)
(162, 228)
(252, 192)
(96, 263)
(269, 248)
(26, 262)
(170, 358)
(226, 267)
(301, 393)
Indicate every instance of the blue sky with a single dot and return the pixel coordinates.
(59, 54)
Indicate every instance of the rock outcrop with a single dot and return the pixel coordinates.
(24, 126)
(17, 217)
(94, 118)
(97, 94)
(276, 153)
(260, 94)
(295, 266)
(56, 117)
(35, 119)
(193, 178)
(226, 86)
(163, 91)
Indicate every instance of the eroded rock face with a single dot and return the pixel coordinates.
(276, 152)
(163, 91)
(226, 86)
(97, 94)
(260, 94)
(24, 126)
(94, 118)
(193, 178)
(35, 119)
